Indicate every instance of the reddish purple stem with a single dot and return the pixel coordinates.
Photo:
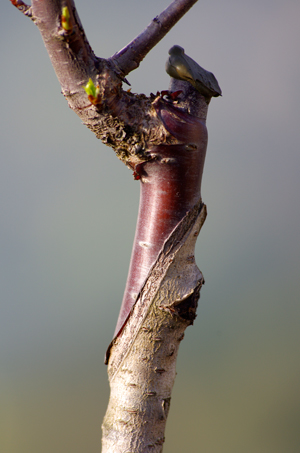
(170, 187)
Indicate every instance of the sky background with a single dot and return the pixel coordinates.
(68, 214)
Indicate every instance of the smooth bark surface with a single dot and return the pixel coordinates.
(163, 139)
(170, 185)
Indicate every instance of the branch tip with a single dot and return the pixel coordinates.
(25, 9)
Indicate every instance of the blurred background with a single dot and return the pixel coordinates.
(68, 214)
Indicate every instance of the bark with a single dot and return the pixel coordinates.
(122, 120)
(163, 139)
(142, 366)
(170, 185)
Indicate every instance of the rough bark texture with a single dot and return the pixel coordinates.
(142, 366)
(122, 120)
(163, 139)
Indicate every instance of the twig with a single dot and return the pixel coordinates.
(129, 58)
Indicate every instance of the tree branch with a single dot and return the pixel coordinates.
(129, 58)
(25, 9)
(127, 122)
(163, 139)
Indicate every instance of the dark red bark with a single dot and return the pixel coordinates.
(170, 187)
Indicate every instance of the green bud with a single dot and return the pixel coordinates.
(90, 89)
(65, 19)
(92, 92)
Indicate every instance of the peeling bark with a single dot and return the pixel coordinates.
(163, 283)
(142, 366)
